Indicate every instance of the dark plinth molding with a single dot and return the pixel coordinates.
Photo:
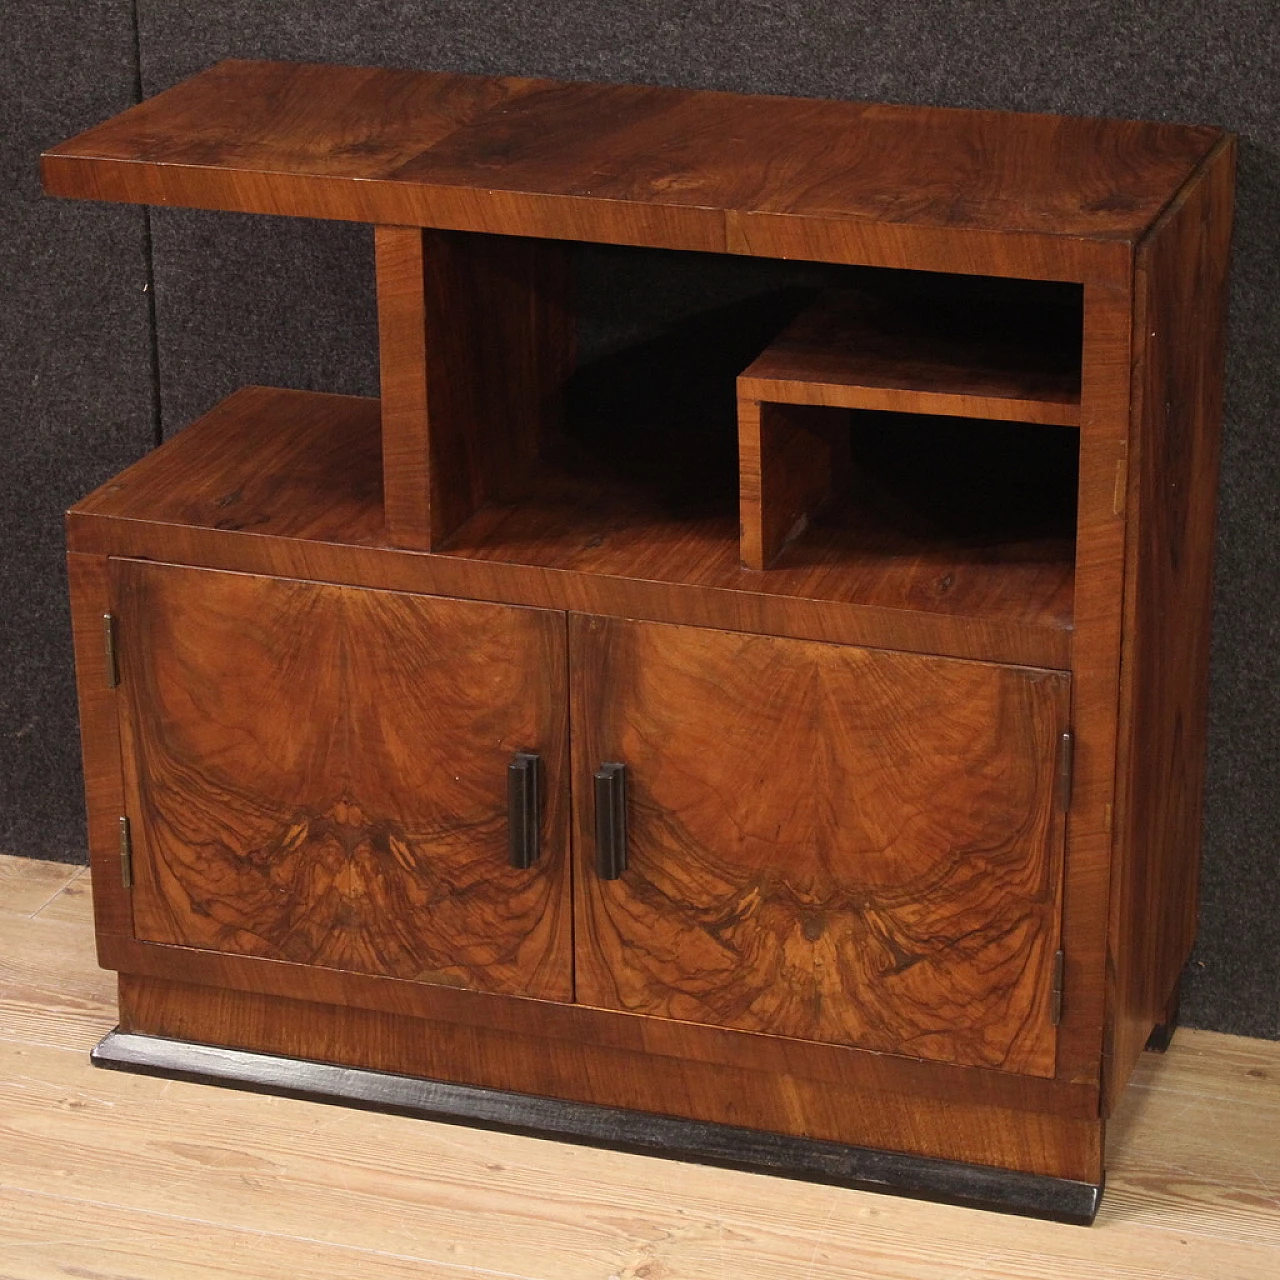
(861, 1168)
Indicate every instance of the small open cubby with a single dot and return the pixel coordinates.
(948, 416)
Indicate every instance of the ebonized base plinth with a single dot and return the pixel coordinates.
(977, 1186)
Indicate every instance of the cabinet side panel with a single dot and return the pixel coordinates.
(1106, 372)
(99, 742)
(1180, 322)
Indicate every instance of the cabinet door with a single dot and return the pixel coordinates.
(824, 842)
(318, 774)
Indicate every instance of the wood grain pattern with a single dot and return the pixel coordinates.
(299, 470)
(46, 1234)
(854, 352)
(261, 462)
(791, 460)
(227, 1183)
(529, 1063)
(627, 164)
(255, 1176)
(858, 1168)
(827, 843)
(815, 158)
(915, 490)
(74, 903)
(1179, 328)
(928, 591)
(319, 774)
(213, 1170)
(1009, 255)
(476, 343)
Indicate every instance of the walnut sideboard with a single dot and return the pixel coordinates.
(827, 806)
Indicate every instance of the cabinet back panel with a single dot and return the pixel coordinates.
(318, 774)
(825, 842)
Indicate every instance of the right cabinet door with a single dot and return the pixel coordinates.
(822, 842)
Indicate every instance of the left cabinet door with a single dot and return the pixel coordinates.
(319, 774)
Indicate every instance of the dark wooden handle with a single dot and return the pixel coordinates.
(524, 808)
(611, 820)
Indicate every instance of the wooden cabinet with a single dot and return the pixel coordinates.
(514, 747)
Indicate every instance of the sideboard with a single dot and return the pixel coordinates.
(827, 803)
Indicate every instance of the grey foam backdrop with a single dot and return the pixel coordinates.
(270, 300)
(75, 389)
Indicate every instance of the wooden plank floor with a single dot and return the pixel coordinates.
(114, 1177)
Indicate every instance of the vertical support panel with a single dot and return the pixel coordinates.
(475, 342)
(1179, 324)
(791, 460)
(402, 354)
(1099, 586)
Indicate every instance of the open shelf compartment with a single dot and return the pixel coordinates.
(944, 412)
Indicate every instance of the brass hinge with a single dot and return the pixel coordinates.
(1066, 769)
(109, 649)
(1055, 999)
(126, 854)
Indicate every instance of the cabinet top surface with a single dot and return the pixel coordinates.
(694, 167)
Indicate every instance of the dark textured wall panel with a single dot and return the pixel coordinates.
(280, 301)
(289, 302)
(1233, 983)
(75, 389)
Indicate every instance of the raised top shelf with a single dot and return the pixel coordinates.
(635, 164)
(1020, 364)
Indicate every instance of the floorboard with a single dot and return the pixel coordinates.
(27, 885)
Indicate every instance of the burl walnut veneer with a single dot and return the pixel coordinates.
(440, 758)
